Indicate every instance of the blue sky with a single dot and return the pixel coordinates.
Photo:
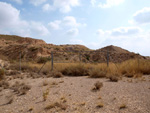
(93, 23)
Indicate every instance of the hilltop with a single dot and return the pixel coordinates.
(31, 49)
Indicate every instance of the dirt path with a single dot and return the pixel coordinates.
(75, 95)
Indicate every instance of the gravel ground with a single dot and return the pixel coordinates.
(75, 95)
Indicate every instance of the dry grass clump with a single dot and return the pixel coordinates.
(18, 76)
(97, 73)
(45, 83)
(113, 78)
(33, 75)
(99, 105)
(26, 66)
(63, 99)
(129, 75)
(56, 105)
(135, 66)
(20, 88)
(123, 106)
(138, 75)
(75, 70)
(12, 72)
(4, 84)
(2, 74)
(97, 86)
(45, 94)
(56, 74)
(43, 60)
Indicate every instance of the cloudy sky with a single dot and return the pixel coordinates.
(93, 23)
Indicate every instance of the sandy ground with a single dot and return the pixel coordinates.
(74, 95)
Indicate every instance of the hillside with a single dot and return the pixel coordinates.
(32, 49)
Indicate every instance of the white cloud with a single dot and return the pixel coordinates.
(39, 29)
(37, 2)
(142, 16)
(70, 21)
(9, 16)
(121, 31)
(65, 6)
(72, 32)
(111, 3)
(93, 2)
(47, 7)
(125, 31)
(131, 38)
(100, 32)
(18, 1)
(55, 25)
(11, 23)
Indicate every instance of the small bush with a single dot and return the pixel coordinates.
(43, 60)
(122, 106)
(97, 73)
(75, 70)
(129, 75)
(45, 83)
(56, 74)
(45, 94)
(114, 78)
(97, 86)
(99, 105)
(20, 88)
(45, 71)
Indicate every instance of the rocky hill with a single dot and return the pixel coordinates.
(12, 47)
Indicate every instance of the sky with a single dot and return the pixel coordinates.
(93, 23)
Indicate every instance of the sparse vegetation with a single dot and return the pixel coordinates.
(45, 83)
(97, 86)
(113, 78)
(45, 94)
(63, 99)
(128, 69)
(20, 88)
(99, 105)
(56, 104)
(75, 70)
(97, 73)
(56, 74)
(4, 84)
(122, 106)
(43, 59)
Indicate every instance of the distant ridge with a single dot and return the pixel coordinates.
(31, 49)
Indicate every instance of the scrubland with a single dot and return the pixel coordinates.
(76, 87)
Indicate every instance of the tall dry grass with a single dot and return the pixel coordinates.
(93, 70)
(135, 66)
